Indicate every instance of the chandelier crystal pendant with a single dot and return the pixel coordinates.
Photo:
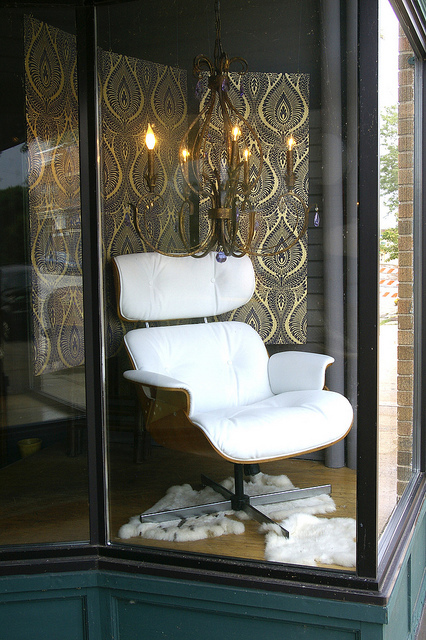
(221, 160)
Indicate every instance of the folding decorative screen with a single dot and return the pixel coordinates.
(277, 106)
(134, 93)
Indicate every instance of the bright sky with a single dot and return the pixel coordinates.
(388, 75)
(388, 55)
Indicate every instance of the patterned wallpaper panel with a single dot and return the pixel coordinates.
(277, 106)
(54, 197)
(134, 93)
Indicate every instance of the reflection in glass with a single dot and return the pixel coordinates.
(396, 100)
(43, 474)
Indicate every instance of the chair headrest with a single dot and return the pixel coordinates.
(151, 286)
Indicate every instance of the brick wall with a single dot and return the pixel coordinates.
(405, 365)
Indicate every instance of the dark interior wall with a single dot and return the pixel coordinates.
(272, 35)
(12, 94)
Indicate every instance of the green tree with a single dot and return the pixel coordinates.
(389, 243)
(389, 178)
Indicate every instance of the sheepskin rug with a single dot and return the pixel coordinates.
(313, 540)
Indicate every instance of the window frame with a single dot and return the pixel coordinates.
(396, 524)
(375, 568)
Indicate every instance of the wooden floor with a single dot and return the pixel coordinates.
(181, 468)
(44, 497)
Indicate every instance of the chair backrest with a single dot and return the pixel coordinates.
(156, 287)
(220, 363)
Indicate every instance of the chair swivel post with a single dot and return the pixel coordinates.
(239, 499)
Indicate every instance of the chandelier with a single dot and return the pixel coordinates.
(221, 160)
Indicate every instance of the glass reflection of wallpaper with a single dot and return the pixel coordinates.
(54, 197)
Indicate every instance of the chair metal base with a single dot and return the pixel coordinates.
(237, 501)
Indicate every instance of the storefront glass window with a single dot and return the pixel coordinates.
(43, 465)
(397, 301)
(298, 89)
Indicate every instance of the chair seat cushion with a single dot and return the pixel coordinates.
(283, 425)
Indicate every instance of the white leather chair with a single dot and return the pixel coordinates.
(210, 388)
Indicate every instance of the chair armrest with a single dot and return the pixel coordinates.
(152, 379)
(297, 371)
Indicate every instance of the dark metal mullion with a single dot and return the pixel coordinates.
(418, 270)
(413, 23)
(87, 92)
(368, 292)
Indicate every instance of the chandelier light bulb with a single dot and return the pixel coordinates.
(150, 176)
(290, 176)
(236, 133)
(246, 155)
(150, 138)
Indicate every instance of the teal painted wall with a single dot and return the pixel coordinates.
(409, 595)
(105, 605)
(26, 618)
(102, 605)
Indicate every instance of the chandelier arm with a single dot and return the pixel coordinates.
(201, 250)
(201, 64)
(227, 124)
(245, 247)
(214, 193)
(200, 137)
(203, 247)
(273, 251)
(254, 135)
(231, 191)
(206, 113)
(224, 238)
(241, 61)
(229, 230)
(147, 238)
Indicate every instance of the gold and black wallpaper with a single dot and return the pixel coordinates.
(134, 93)
(277, 106)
